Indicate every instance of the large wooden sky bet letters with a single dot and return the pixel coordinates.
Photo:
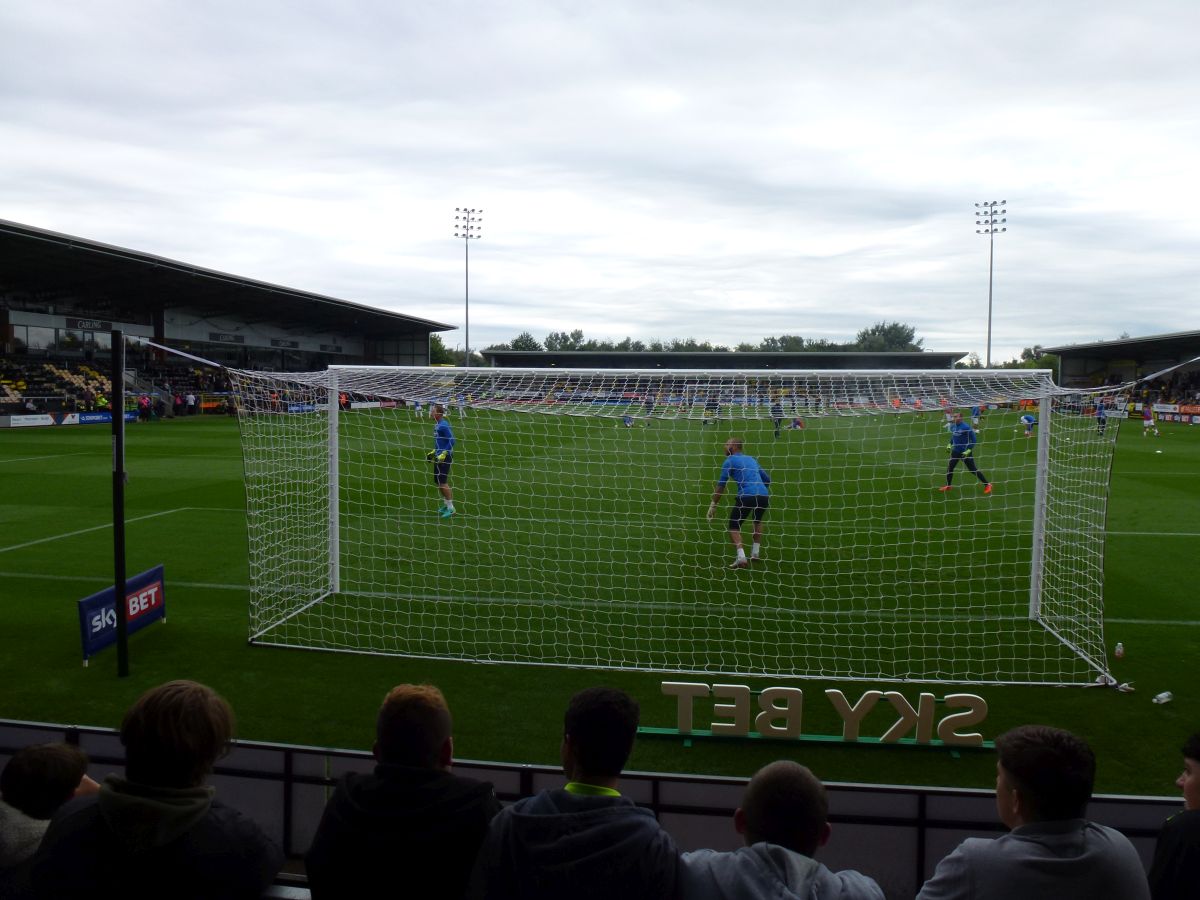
(780, 713)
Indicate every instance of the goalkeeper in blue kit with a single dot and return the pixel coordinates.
(961, 447)
(753, 498)
(442, 456)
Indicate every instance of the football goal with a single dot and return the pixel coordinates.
(579, 535)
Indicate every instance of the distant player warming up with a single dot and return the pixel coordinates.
(1029, 421)
(976, 417)
(777, 415)
(1101, 417)
(961, 446)
(442, 456)
(1148, 424)
(753, 497)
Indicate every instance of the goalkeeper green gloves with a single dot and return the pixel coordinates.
(441, 457)
(967, 452)
(429, 456)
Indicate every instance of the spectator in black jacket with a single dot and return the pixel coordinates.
(1175, 874)
(410, 828)
(159, 832)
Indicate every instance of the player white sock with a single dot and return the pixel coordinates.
(741, 554)
(754, 550)
(450, 506)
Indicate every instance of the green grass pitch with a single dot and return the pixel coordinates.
(186, 509)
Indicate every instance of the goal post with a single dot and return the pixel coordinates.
(579, 536)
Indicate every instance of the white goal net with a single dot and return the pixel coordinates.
(579, 535)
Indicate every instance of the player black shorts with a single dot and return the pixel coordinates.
(441, 471)
(752, 503)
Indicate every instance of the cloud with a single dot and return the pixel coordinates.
(700, 169)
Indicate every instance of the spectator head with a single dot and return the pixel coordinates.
(784, 804)
(174, 734)
(1190, 779)
(414, 728)
(41, 778)
(598, 731)
(1043, 774)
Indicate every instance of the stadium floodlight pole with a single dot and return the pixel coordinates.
(468, 226)
(988, 214)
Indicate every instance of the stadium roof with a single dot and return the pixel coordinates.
(649, 359)
(1155, 346)
(46, 263)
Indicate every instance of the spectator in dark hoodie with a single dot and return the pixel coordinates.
(410, 828)
(783, 819)
(159, 832)
(584, 840)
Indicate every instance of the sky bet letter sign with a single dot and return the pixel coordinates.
(145, 603)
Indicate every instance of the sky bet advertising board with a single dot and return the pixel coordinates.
(145, 602)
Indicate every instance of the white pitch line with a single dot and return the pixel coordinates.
(168, 512)
(653, 607)
(1180, 534)
(1188, 623)
(59, 537)
(50, 456)
(1176, 474)
(94, 579)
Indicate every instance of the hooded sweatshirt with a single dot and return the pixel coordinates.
(134, 840)
(19, 835)
(768, 872)
(400, 832)
(556, 845)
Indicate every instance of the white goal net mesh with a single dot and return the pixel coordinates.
(579, 535)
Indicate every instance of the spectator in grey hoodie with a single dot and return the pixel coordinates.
(36, 782)
(783, 819)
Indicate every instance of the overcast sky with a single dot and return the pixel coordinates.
(716, 170)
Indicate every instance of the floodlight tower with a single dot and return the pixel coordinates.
(988, 214)
(468, 226)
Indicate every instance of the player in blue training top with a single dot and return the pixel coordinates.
(976, 416)
(1029, 420)
(753, 497)
(442, 455)
(1101, 416)
(961, 446)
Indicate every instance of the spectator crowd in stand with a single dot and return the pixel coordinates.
(412, 828)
